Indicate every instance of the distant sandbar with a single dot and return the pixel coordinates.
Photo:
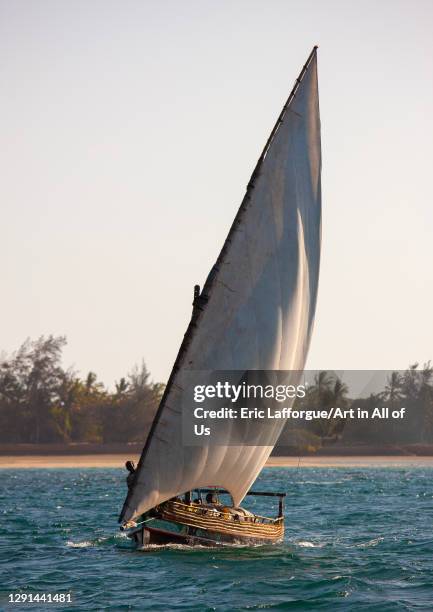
(118, 461)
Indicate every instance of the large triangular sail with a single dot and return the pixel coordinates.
(256, 309)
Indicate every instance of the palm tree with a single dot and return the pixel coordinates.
(393, 388)
(393, 393)
(121, 386)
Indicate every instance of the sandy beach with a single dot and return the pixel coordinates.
(118, 461)
(351, 461)
(66, 461)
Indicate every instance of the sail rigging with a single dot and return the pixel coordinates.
(256, 309)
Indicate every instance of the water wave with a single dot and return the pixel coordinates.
(306, 544)
(349, 546)
(373, 542)
(85, 544)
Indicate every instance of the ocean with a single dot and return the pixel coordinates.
(356, 539)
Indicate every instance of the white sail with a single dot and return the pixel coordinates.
(256, 310)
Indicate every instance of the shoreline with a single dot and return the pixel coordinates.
(117, 460)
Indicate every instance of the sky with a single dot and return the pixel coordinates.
(129, 131)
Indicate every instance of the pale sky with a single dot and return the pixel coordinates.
(129, 131)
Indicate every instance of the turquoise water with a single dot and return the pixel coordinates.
(356, 539)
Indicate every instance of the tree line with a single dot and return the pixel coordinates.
(411, 389)
(42, 402)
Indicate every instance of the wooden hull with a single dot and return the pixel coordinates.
(179, 523)
(150, 536)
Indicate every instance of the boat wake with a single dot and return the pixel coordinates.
(101, 541)
(85, 544)
(306, 544)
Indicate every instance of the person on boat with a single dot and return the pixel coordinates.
(211, 499)
(130, 466)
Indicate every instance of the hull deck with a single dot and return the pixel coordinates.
(191, 524)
